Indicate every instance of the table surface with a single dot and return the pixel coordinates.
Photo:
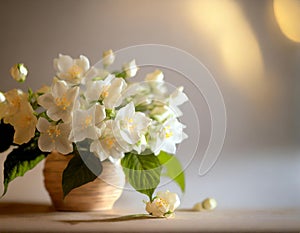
(26, 217)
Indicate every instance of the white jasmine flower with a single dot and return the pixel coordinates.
(164, 137)
(108, 91)
(69, 69)
(107, 145)
(157, 208)
(24, 124)
(171, 198)
(131, 125)
(15, 98)
(123, 134)
(108, 58)
(19, 72)
(177, 98)
(87, 123)
(163, 205)
(113, 95)
(54, 137)
(98, 89)
(59, 102)
(18, 112)
(130, 69)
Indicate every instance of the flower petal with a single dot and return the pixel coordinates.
(45, 143)
(46, 100)
(63, 146)
(83, 62)
(63, 63)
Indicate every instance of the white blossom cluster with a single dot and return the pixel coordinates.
(86, 103)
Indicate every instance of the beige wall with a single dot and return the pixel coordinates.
(239, 41)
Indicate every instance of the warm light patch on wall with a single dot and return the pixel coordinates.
(287, 13)
(229, 31)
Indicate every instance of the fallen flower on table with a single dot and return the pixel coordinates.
(163, 205)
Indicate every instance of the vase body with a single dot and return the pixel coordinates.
(100, 194)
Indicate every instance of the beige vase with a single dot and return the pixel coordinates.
(101, 194)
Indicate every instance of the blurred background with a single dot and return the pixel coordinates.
(252, 49)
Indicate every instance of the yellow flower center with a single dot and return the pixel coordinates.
(105, 92)
(161, 202)
(109, 142)
(75, 71)
(62, 102)
(53, 132)
(130, 124)
(168, 133)
(87, 122)
(130, 120)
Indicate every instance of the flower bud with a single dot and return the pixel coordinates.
(209, 204)
(2, 97)
(130, 69)
(198, 206)
(19, 72)
(157, 76)
(108, 57)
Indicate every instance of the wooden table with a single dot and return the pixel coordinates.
(25, 217)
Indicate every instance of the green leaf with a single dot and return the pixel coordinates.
(80, 171)
(173, 168)
(6, 136)
(21, 160)
(142, 171)
(120, 74)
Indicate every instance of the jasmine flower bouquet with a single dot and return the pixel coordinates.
(96, 115)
